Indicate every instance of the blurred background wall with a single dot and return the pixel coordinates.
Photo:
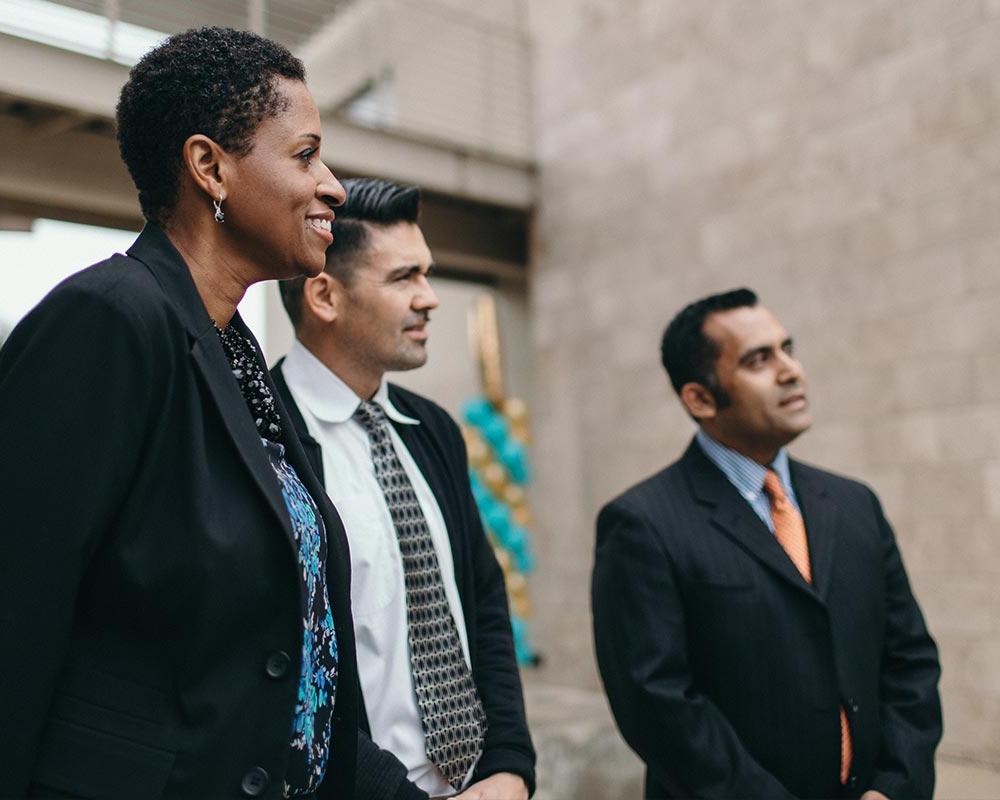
(596, 164)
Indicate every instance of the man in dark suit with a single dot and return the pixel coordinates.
(441, 689)
(755, 629)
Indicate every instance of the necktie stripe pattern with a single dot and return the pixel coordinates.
(451, 713)
(790, 531)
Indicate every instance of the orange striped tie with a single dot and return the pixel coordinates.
(790, 531)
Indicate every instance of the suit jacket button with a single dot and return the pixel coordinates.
(255, 782)
(852, 781)
(277, 664)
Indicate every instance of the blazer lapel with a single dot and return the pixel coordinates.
(733, 516)
(154, 249)
(820, 516)
(211, 361)
(291, 412)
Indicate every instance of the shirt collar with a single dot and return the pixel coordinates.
(743, 472)
(322, 391)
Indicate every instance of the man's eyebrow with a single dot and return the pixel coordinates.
(763, 349)
(406, 269)
(314, 137)
(409, 269)
(755, 351)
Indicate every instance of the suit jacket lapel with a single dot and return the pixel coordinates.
(155, 250)
(733, 516)
(820, 516)
(211, 361)
(313, 451)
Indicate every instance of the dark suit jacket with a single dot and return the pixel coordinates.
(726, 671)
(437, 447)
(149, 589)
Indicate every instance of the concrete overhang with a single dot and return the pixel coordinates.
(86, 88)
(59, 159)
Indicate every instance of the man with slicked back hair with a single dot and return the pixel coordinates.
(443, 713)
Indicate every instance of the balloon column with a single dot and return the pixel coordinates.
(496, 435)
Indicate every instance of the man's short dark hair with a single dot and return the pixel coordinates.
(218, 82)
(687, 353)
(370, 201)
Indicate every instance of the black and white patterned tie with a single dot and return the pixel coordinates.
(451, 713)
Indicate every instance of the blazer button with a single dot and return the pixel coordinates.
(852, 781)
(255, 782)
(277, 664)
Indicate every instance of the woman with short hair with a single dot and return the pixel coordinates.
(174, 584)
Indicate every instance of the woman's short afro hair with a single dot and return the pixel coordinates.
(218, 82)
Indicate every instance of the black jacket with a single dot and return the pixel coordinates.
(726, 670)
(149, 589)
(437, 447)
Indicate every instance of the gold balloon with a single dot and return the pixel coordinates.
(519, 431)
(495, 477)
(514, 495)
(468, 433)
(475, 447)
(503, 558)
(523, 516)
(521, 606)
(515, 409)
(479, 453)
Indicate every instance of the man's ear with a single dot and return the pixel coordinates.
(699, 401)
(322, 297)
(207, 165)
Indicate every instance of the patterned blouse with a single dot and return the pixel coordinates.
(312, 727)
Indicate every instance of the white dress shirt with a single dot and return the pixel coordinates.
(378, 596)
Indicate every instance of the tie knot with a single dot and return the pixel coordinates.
(370, 415)
(773, 487)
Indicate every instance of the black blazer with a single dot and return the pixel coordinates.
(437, 447)
(149, 590)
(726, 670)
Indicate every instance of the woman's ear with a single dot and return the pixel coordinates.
(207, 165)
(699, 401)
(321, 298)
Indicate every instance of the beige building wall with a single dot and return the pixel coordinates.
(843, 158)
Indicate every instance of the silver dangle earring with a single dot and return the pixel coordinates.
(220, 215)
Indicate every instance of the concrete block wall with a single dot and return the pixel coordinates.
(844, 160)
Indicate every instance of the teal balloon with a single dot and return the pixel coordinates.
(494, 430)
(478, 411)
(510, 452)
(522, 648)
(518, 469)
(498, 519)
